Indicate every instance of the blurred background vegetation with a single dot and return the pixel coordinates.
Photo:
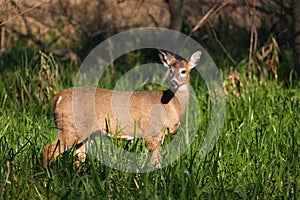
(265, 33)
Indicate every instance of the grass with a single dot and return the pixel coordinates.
(256, 157)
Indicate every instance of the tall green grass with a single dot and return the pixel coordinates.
(256, 157)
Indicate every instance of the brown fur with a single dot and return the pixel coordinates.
(81, 111)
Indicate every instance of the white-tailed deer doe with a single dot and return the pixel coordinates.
(81, 111)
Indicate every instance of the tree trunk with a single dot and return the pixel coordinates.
(176, 10)
(296, 27)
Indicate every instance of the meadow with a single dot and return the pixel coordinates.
(257, 155)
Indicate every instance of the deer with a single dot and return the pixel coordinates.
(152, 112)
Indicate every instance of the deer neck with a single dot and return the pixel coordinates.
(182, 95)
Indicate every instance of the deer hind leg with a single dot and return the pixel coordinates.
(153, 144)
(61, 144)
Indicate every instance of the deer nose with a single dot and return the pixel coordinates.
(173, 84)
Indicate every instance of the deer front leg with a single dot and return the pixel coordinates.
(153, 144)
(80, 154)
(61, 144)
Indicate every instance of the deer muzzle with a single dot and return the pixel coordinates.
(174, 85)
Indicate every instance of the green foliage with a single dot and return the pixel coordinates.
(256, 157)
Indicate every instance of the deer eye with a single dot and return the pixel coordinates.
(183, 72)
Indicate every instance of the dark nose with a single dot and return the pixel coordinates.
(173, 84)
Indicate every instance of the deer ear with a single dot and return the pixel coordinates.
(166, 58)
(194, 59)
